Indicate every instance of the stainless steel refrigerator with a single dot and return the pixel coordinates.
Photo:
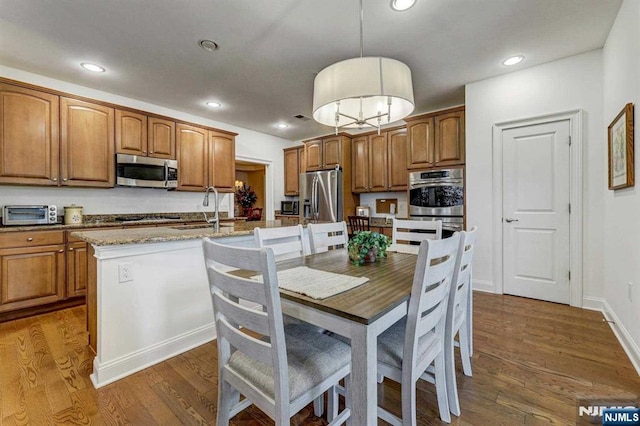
(321, 196)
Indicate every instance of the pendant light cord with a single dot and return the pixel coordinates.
(361, 37)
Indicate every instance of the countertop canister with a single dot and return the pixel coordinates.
(72, 215)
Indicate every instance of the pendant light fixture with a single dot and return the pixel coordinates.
(364, 91)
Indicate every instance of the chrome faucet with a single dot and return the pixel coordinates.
(216, 219)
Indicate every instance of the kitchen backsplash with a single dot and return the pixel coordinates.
(115, 200)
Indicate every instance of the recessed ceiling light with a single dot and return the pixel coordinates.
(282, 125)
(208, 45)
(513, 60)
(214, 104)
(92, 67)
(401, 5)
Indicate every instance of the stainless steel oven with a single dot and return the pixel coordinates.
(438, 195)
(29, 215)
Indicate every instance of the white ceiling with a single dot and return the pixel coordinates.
(270, 50)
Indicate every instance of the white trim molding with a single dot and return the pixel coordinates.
(626, 341)
(576, 123)
(593, 303)
(268, 183)
(484, 286)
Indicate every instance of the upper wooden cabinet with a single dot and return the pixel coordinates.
(436, 139)
(293, 165)
(379, 162)
(29, 139)
(86, 144)
(222, 161)
(205, 158)
(327, 153)
(138, 134)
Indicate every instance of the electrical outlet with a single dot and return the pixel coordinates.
(125, 272)
(630, 284)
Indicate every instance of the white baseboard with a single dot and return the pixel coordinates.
(593, 303)
(629, 346)
(484, 286)
(106, 373)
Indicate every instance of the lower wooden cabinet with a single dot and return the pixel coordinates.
(76, 269)
(31, 276)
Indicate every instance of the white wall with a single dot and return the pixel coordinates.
(249, 145)
(621, 56)
(568, 84)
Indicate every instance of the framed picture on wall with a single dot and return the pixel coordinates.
(621, 149)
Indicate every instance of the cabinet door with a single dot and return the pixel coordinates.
(313, 152)
(76, 269)
(449, 139)
(87, 144)
(222, 165)
(378, 162)
(29, 142)
(397, 160)
(131, 133)
(291, 171)
(332, 152)
(360, 164)
(303, 160)
(162, 138)
(31, 276)
(192, 154)
(421, 144)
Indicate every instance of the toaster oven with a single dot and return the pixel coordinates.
(29, 215)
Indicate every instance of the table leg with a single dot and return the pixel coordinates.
(364, 361)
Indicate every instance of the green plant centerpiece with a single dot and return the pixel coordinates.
(367, 247)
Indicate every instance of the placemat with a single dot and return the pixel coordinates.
(315, 283)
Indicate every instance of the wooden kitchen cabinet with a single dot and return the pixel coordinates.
(76, 269)
(29, 140)
(32, 269)
(313, 155)
(379, 162)
(436, 139)
(86, 144)
(205, 158)
(327, 153)
(139, 134)
(293, 166)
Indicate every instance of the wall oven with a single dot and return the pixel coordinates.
(146, 172)
(438, 195)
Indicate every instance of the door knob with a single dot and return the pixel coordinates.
(509, 220)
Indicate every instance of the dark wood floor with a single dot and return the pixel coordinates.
(532, 361)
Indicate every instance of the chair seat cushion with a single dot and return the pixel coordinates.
(391, 344)
(312, 358)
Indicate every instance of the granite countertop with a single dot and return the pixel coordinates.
(119, 220)
(109, 237)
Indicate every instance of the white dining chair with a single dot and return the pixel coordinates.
(409, 347)
(458, 316)
(286, 242)
(408, 233)
(280, 369)
(325, 236)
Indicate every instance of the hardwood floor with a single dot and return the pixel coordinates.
(531, 362)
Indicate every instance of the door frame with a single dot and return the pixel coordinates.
(269, 213)
(576, 131)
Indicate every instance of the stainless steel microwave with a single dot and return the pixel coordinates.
(289, 207)
(146, 172)
(29, 215)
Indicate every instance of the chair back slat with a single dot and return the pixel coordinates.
(460, 291)
(253, 347)
(286, 242)
(242, 316)
(325, 236)
(408, 231)
(358, 223)
(430, 292)
(243, 288)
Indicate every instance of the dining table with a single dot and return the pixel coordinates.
(360, 314)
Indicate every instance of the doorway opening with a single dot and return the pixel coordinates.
(255, 173)
(505, 232)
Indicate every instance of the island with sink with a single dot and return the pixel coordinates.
(148, 295)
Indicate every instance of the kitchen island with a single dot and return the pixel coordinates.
(148, 295)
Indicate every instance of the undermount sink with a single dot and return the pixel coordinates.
(203, 226)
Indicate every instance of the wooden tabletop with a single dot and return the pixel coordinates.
(390, 281)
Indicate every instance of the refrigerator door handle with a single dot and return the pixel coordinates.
(314, 198)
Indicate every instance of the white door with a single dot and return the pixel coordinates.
(535, 216)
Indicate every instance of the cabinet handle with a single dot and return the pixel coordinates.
(151, 153)
(70, 248)
(55, 179)
(61, 251)
(64, 179)
(144, 152)
(29, 239)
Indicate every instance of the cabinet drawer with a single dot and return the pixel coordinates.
(31, 238)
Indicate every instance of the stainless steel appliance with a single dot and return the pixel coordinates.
(146, 172)
(289, 207)
(29, 215)
(438, 195)
(322, 193)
